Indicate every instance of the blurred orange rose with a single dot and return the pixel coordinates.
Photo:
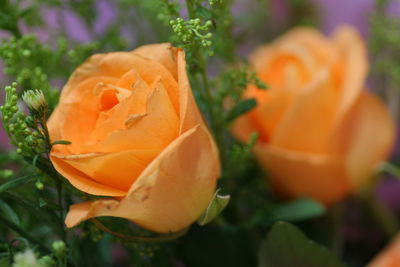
(136, 135)
(389, 257)
(320, 133)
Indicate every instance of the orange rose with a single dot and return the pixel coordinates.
(136, 135)
(320, 133)
(389, 257)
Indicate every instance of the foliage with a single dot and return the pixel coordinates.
(285, 245)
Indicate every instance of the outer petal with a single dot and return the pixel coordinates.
(295, 174)
(117, 170)
(354, 67)
(365, 136)
(163, 53)
(171, 193)
(389, 257)
(82, 181)
(189, 112)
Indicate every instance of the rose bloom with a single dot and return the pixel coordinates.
(320, 133)
(136, 136)
(389, 257)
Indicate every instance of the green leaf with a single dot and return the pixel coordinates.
(216, 206)
(15, 183)
(242, 107)
(9, 212)
(286, 246)
(390, 169)
(297, 210)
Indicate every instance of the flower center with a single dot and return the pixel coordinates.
(110, 95)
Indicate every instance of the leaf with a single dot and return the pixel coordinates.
(286, 246)
(216, 206)
(390, 169)
(242, 107)
(294, 211)
(9, 212)
(298, 210)
(15, 183)
(45, 215)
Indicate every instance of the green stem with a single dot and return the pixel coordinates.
(207, 88)
(383, 217)
(337, 217)
(46, 166)
(61, 210)
(380, 213)
(190, 8)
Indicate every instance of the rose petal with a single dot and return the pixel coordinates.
(353, 66)
(118, 63)
(286, 65)
(136, 103)
(295, 174)
(154, 131)
(67, 122)
(128, 80)
(117, 170)
(83, 182)
(366, 136)
(163, 53)
(307, 124)
(189, 113)
(171, 193)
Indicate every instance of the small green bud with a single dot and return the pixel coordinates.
(59, 248)
(47, 261)
(6, 173)
(39, 185)
(26, 53)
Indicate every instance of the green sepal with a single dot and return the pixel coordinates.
(216, 206)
